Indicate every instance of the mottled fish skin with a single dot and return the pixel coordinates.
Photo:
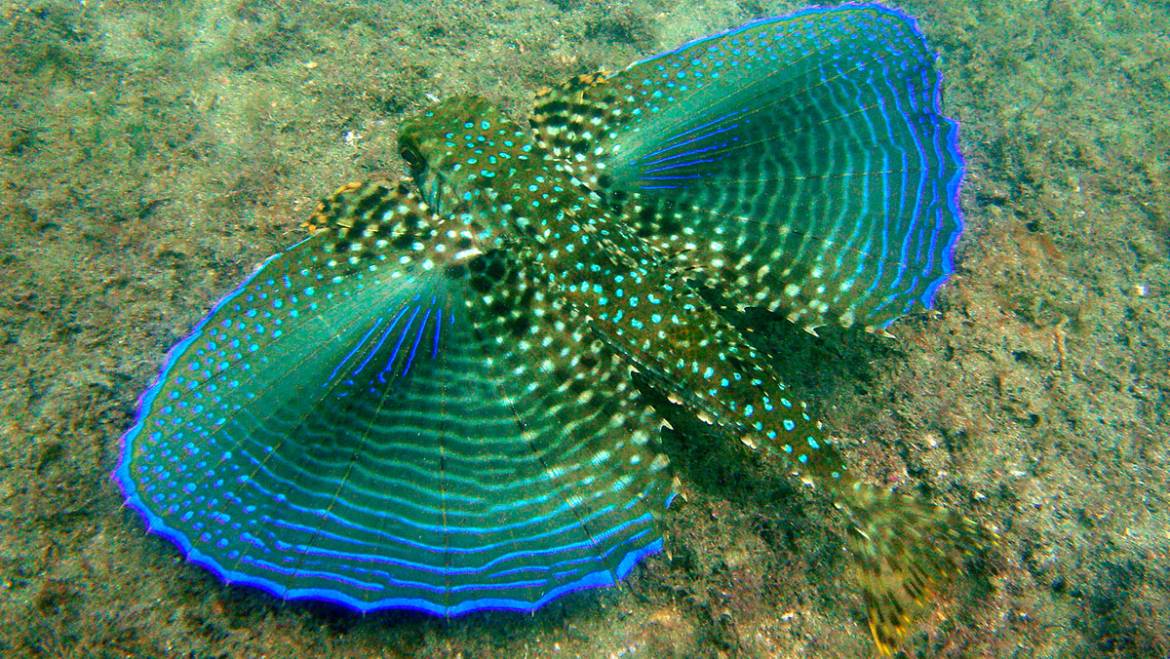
(491, 173)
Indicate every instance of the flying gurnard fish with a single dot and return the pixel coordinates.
(429, 404)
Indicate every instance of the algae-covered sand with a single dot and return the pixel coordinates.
(152, 154)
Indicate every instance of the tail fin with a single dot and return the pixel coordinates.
(906, 550)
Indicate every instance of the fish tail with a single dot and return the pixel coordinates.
(906, 550)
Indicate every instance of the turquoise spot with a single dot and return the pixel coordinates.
(789, 425)
(813, 443)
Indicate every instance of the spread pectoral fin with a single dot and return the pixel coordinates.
(374, 419)
(801, 163)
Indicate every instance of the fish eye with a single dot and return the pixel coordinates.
(415, 163)
(412, 157)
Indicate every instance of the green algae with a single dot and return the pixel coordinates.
(152, 153)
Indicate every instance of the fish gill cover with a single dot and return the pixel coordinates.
(428, 403)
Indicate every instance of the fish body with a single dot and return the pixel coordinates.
(634, 301)
(428, 403)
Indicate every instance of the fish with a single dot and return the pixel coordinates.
(444, 397)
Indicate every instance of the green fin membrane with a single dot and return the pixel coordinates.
(380, 418)
(799, 163)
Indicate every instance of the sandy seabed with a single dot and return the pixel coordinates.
(152, 154)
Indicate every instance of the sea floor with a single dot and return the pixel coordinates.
(152, 154)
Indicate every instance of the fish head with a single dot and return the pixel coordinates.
(451, 146)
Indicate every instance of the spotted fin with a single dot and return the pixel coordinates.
(385, 416)
(799, 163)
